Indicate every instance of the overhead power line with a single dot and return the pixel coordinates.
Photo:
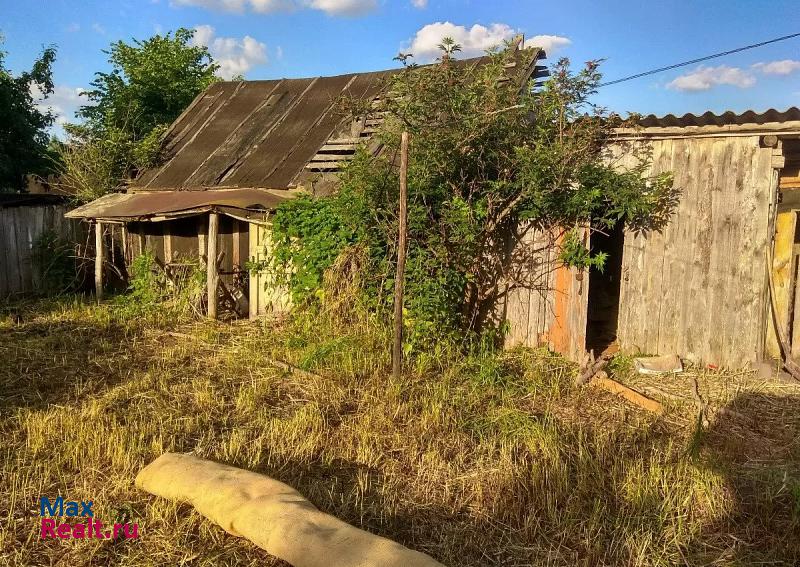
(699, 60)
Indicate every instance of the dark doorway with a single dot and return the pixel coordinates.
(604, 286)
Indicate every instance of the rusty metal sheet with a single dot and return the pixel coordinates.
(129, 206)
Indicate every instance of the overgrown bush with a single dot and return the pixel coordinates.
(489, 163)
(152, 292)
(56, 264)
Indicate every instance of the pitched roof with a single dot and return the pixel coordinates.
(269, 134)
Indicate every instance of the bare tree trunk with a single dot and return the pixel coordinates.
(397, 350)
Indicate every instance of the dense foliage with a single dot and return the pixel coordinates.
(491, 160)
(154, 294)
(57, 264)
(23, 126)
(150, 83)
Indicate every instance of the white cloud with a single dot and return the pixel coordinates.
(268, 6)
(330, 7)
(62, 102)
(474, 41)
(704, 78)
(235, 56)
(221, 5)
(97, 28)
(74, 27)
(550, 43)
(419, 4)
(279, 52)
(783, 67)
(344, 7)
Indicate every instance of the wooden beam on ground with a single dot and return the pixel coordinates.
(98, 260)
(212, 273)
(628, 393)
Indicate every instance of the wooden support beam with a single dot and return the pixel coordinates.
(98, 260)
(629, 394)
(167, 232)
(202, 234)
(212, 273)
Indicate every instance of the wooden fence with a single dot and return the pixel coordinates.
(20, 228)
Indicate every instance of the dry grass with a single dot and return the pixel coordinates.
(477, 460)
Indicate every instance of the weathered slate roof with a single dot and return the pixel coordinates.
(265, 133)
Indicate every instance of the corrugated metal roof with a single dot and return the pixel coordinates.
(148, 204)
(725, 119)
(263, 133)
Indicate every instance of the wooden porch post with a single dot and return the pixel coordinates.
(98, 260)
(212, 276)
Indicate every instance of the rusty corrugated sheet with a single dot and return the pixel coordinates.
(725, 119)
(144, 205)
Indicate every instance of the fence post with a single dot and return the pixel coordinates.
(397, 350)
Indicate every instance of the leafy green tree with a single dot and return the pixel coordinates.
(150, 83)
(491, 160)
(23, 127)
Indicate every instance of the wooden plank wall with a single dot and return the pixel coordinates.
(184, 240)
(550, 308)
(698, 287)
(265, 299)
(20, 228)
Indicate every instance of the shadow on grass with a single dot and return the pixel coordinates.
(52, 362)
(755, 445)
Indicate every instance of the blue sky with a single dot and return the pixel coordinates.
(291, 38)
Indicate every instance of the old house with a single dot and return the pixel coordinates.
(718, 282)
(239, 150)
(717, 285)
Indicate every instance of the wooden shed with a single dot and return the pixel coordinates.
(701, 287)
(240, 149)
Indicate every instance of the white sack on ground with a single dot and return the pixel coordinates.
(272, 515)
